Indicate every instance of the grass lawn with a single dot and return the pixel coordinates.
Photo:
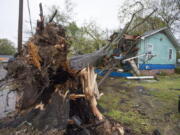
(144, 106)
(165, 87)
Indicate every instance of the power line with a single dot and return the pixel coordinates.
(30, 16)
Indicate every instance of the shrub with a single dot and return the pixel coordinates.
(162, 73)
(177, 70)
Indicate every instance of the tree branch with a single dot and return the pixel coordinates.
(145, 19)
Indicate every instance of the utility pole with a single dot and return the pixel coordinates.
(20, 26)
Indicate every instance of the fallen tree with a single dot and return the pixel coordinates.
(51, 94)
(56, 93)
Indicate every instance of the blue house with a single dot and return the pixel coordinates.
(157, 52)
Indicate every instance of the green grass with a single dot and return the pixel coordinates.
(123, 114)
(163, 99)
(132, 119)
(164, 88)
(164, 83)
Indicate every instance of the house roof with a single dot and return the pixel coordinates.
(165, 30)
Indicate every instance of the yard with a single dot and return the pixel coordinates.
(143, 106)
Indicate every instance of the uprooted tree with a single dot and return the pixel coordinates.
(50, 93)
(56, 93)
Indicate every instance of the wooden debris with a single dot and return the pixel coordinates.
(89, 85)
(140, 77)
(75, 96)
(134, 67)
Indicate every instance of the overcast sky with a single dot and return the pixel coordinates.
(104, 12)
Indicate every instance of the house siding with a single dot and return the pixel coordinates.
(161, 45)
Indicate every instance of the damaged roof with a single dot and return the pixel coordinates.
(166, 31)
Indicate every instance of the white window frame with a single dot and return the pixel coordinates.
(149, 49)
(169, 54)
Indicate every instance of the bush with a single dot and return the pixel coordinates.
(162, 73)
(177, 70)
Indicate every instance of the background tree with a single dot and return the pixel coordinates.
(167, 14)
(7, 47)
(84, 39)
(64, 14)
(178, 54)
(152, 23)
(169, 11)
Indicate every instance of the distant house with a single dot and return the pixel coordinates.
(157, 52)
(5, 58)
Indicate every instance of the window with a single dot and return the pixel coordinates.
(170, 54)
(149, 49)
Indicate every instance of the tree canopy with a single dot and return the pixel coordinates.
(152, 23)
(167, 14)
(7, 47)
(83, 39)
